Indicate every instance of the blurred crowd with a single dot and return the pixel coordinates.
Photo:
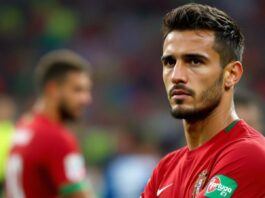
(128, 128)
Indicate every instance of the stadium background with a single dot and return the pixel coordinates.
(129, 120)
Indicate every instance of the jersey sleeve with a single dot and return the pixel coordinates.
(150, 188)
(239, 172)
(152, 185)
(66, 165)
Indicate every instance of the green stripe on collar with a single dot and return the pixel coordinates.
(231, 126)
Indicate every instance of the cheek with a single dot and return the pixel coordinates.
(69, 98)
(79, 98)
(211, 92)
(75, 101)
(166, 79)
(204, 82)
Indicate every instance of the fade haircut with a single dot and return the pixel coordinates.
(56, 65)
(229, 41)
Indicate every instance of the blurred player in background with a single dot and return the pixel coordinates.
(248, 107)
(7, 113)
(45, 160)
(224, 157)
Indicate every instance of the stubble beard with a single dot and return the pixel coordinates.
(210, 98)
(65, 113)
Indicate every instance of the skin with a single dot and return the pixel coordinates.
(75, 92)
(192, 66)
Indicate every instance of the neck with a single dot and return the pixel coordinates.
(200, 131)
(48, 108)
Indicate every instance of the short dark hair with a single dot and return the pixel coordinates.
(56, 64)
(229, 41)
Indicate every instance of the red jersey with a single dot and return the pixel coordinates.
(44, 161)
(231, 164)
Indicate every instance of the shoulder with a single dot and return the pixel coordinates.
(49, 132)
(243, 130)
(244, 143)
(244, 150)
(61, 141)
(165, 164)
(51, 136)
(242, 162)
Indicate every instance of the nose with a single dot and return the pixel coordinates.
(179, 73)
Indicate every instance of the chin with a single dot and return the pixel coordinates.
(193, 114)
(180, 113)
(69, 117)
(180, 107)
(177, 102)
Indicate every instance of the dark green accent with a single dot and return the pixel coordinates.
(231, 126)
(225, 189)
(71, 188)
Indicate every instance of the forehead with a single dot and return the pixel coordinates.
(77, 77)
(189, 41)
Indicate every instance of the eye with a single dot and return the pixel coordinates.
(195, 61)
(168, 62)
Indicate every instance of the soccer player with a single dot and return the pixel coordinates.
(224, 157)
(45, 160)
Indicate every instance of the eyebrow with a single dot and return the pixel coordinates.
(195, 55)
(190, 56)
(166, 57)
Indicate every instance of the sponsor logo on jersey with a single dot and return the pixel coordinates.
(159, 191)
(220, 186)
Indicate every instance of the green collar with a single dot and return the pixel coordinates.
(231, 126)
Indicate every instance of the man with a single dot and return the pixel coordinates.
(224, 157)
(45, 160)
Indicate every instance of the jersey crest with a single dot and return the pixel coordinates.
(199, 184)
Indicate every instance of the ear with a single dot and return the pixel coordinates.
(232, 74)
(51, 89)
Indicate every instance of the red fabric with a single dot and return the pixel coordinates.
(238, 154)
(43, 171)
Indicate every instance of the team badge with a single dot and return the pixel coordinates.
(74, 165)
(199, 184)
(220, 186)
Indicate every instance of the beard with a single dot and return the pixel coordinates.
(210, 98)
(65, 112)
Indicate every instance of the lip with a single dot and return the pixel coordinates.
(180, 97)
(179, 93)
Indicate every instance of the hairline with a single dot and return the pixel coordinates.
(215, 45)
(61, 78)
